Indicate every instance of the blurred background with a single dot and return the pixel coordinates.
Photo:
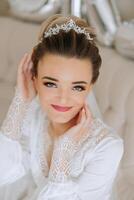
(113, 94)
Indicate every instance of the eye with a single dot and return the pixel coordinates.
(48, 84)
(80, 88)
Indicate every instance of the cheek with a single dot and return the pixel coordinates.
(44, 97)
(81, 99)
(48, 96)
(44, 93)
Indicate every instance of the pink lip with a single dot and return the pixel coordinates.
(61, 109)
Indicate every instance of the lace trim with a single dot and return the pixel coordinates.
(102, 135)
(64, 152)
(43, 145)
(62, 159)
(104, 132)
(11, 126)
(68, 147)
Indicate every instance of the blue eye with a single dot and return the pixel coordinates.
(50, 84)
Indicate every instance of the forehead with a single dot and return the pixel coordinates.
(65, 68)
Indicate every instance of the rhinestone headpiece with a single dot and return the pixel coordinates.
(66, 27)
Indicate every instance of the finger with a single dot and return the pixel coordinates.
(79, 115)
(26, 64)
(88, 120)
(28, 75)
(85, 111)
(88, 112)
(29, 57)
(28, 72)
(30, 67)
(22, 62)
(25, 69)
(81, 119)
(83, 126)
(83, 116)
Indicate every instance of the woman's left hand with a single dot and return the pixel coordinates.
(68, 144)
(80, 131)
(83, 124)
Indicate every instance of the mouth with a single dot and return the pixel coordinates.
(60, 108)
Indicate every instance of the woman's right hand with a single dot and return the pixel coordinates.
(25, 83)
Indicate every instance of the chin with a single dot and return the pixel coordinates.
(62, 118)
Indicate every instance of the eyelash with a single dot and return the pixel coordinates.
(46, 84)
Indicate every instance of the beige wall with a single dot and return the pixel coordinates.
(3, 6)
(126, 8)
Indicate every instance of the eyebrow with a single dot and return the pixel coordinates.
(54, 79)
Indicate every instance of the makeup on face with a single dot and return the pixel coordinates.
(60, 108)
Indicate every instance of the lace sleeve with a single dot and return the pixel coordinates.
(11, 126)
(14, 143)
(97, 178)
(65, 148)
(60, 164)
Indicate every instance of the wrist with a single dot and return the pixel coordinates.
(19, 95)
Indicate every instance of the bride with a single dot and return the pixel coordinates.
(49, 136)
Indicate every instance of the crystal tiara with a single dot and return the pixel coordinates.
(66, 27)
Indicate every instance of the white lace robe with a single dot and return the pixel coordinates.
(83, 173)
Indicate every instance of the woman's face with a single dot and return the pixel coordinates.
(56, 85)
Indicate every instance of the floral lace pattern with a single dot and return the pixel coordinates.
(11, 126)
(64, 150)
(42, 146)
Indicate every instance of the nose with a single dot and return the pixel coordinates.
(63, 96)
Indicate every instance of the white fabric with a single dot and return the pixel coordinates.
(92, 170)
